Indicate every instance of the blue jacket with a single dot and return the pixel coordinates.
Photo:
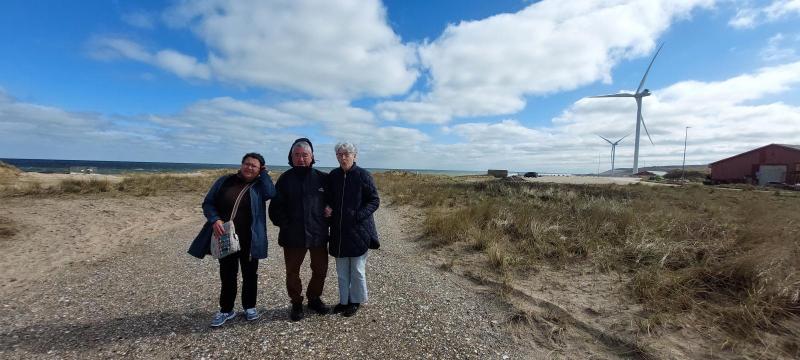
(354, 198)
(261, 191)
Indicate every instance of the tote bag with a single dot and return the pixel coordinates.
(228, 242)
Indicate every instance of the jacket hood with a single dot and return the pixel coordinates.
(313, 161)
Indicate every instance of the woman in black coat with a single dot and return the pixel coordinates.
(353, 197)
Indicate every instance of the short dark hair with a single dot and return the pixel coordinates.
(254, 155)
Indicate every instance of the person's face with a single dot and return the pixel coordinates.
(302, 157)
(345, 159)
(250, 168)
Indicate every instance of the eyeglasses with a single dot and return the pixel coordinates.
(344, 154)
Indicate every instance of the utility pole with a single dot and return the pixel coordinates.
(683, 167)
(598, 165)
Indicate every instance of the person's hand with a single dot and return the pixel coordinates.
(328, 212)
(218, 228)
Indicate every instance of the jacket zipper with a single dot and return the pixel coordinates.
(341, 213)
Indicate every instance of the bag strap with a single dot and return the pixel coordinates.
(238, 199)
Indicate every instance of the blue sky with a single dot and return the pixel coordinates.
(463, 85)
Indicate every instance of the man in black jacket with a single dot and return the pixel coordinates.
(298, 211)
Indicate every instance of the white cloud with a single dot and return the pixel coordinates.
(723, 115)
(487, 67)
(182, 65)
(140, 19)
(750, 17)
(215, 130)
(726, 117)
(110, 48)
(779, 48)
(331, 49)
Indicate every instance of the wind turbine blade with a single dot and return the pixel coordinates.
(620, 139)
(612, 95)
(645, 130)
(609, 141)
(641, 84)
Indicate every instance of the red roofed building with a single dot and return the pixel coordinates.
(774, 163)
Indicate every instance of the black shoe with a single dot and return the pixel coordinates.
(339, 308)
(351, 310)
(317, 305)
(297, 312)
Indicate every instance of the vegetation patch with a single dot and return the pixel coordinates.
(132, 184)
(8, 172)
(7, 228)
(729, 257)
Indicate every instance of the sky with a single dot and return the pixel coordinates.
(451, 85)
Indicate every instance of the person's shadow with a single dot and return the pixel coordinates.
(81, 336)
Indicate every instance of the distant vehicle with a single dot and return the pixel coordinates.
(531, 174)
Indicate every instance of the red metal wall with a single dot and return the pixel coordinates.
(744, 166)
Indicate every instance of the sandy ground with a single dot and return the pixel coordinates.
(108, 277)
(54, 232)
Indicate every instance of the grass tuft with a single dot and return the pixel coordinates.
(7, 228)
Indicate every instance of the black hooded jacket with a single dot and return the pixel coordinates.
(299, 207)
(354, 198)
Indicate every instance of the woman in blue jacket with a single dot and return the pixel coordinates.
(353, 197)
(251, 227)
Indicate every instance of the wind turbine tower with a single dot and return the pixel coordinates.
(638, 95)
(613, 150)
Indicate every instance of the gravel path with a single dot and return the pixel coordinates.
(150, 299)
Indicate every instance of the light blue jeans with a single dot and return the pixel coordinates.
(351, 272)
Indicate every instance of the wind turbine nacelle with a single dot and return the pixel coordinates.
(645, 92)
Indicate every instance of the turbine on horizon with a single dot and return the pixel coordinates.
(638, 95)
(613, 150)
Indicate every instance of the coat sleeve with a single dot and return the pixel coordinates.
(209, 209)
(277, 207)
(267, 187)
(328, 185)
(369, 197)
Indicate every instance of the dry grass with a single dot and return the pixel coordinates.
(131, 184)
(8, 172)
(729, 257)
(7, 228)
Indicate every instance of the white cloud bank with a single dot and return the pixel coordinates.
(727, 117)
(487, 67)
(329, 49)
(549, 47)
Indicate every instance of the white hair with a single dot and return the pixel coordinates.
(347, 147)
(302, 144)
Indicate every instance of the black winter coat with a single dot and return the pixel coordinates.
(299, 207)
(353, 197)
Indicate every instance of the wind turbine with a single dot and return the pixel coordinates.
(613, 150)
(638, 95)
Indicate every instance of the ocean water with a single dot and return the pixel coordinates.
(119, 167)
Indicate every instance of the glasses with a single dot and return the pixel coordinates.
(344, 154)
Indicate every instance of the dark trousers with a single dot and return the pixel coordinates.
(293, 258)
(228, 275)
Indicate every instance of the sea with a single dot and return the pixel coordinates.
(56, 166)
